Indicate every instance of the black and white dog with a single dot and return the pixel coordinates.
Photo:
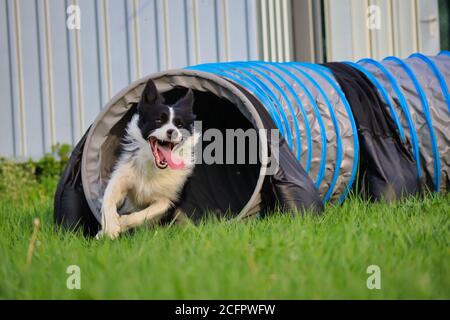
(158, 157)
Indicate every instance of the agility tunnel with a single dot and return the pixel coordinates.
(379, 127)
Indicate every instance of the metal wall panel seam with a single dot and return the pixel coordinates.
(416, 24)
(226, 45)
(22, 122)
(254, 29)
(158, 35)
(107, 48)
(196, 31)
(42, 99)
(392, 22)
(166, 34)
(273, 42)
(217, 31)
(49, 71)
(137, 41)
(79, 71)
(318, 33)
(99, 55)
(278, 29)
(264, 28)
(415, 29)
(287, 29)
(72, 94)
(130, 45)
(247, 29)
(187, 33)
(10, 76)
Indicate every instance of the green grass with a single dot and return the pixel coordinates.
(281, 257)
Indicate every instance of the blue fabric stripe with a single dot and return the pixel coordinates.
(291, 109)
(283, 94)
(405, 108)
(437, 73)
(321, 171)
(423, 99)
(240, 69)
(384, 94)
(250, 85)
(341, 94)
(339, 154)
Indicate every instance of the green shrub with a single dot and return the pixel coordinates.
(33, 178)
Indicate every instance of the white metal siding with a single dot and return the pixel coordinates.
(276, 30)
(407, 26)
(54, 81)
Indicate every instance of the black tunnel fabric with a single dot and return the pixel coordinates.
(387, 169)
(71, 210)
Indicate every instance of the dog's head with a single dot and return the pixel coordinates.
(165, 127)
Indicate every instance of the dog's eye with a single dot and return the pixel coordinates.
(162, 118)
(178, 123)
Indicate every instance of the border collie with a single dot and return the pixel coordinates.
(158, 157)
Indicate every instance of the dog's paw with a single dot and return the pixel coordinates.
(124, 222)
(99, 235)
(112, 229)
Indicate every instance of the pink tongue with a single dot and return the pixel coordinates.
(173, 160)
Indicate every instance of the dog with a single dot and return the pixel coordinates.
(157, 158)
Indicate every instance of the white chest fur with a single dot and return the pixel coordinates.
(153, 184)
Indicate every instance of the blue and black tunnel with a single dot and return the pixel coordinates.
(381, 128)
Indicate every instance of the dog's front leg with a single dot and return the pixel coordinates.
(115, 193)
(137, 218)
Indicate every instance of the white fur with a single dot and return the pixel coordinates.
(150, 189)
(161, 133)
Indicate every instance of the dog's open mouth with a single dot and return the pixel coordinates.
(163, 154)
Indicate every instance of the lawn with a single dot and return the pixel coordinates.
(280, 257)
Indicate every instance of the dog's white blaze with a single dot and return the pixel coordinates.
(161, 133)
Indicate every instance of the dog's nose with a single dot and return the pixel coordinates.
(172, 134)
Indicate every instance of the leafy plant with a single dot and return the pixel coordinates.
(33, 177)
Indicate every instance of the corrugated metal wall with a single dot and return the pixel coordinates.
(406, 26)
(276, 30)
(54, 81)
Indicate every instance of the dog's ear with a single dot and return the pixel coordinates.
(150, 95)
(187, 102)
